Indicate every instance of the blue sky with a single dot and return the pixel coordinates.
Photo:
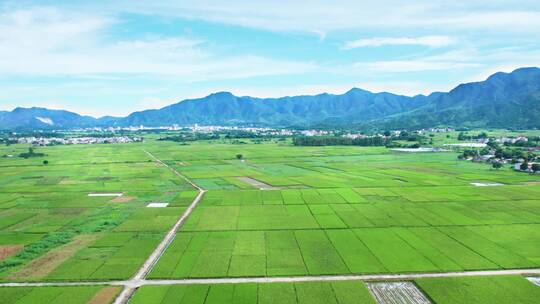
(115, 57)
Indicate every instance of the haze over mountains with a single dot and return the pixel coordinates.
(505, 100)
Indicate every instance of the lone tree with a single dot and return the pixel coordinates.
(239, 156)
(497, 165)
(524, 166)
(45, 162)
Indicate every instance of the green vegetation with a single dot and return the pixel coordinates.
(31, 153)
(35, 249)
(344, 292)
(480, 290)
(324, 210)
(64, 234)
(340, 141)
(58, 295)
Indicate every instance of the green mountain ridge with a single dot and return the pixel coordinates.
(506, 100)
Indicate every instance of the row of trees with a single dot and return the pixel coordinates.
(465, 136)
(190, 137)
(340, 141)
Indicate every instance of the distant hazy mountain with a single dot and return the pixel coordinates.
(503, 100)
(40, 118)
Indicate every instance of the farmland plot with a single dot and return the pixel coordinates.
(343, 292)
(53, 217)
(330, 211)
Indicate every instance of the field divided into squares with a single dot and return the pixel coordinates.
(466, 290)
(342, 292)
(279, 212)
(366, 212)
(83, 216)
(480, 290)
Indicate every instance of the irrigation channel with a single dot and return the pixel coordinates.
(140, 277)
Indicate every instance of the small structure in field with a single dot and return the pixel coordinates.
(157, 205)
(415, 150)
(105, 194)
(478, 184)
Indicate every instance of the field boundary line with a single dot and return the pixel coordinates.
(331, 278)
(148, 265)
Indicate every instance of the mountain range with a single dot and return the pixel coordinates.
(504, 100)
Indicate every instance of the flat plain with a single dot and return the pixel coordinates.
(326, 211)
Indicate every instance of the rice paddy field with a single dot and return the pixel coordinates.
(280, 211)
(58, 295)
(52, 228)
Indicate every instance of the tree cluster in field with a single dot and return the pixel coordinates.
(465, 136)
(340, 141)
(404, 135)
(190, 137)
(514, 154)
(497, 155)
(31, 153)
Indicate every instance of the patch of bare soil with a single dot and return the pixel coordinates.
(105, 296)
(9, 250)
(257, 183)
(123, 199)
(45, 264)
(531, 183)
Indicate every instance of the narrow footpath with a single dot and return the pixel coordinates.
(129, 288)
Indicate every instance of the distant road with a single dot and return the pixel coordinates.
(133, 283)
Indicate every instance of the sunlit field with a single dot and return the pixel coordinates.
(321, 211)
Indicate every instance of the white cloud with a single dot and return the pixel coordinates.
(49, 41)
(430, 41)
(320, 16)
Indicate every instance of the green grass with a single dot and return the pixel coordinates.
(338, 210)
(344, 292)
(43, 207)
(479, 290)
(45, 295)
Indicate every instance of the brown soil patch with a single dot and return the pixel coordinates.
(257, 183)
(9, 250)
(531, 183)
(45, 264)
(123, 199)
(105, 295)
